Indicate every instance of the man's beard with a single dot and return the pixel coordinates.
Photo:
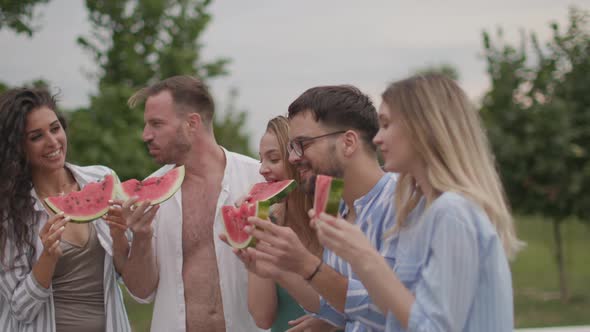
(308, 185)
(178, 148)
(332, 167)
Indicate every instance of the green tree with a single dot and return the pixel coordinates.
(136, 42)
(3, 87)
(229, 127)
(19, 15)
(445, 69)
(538, 116)
(37, 83)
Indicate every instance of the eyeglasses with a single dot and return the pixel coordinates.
(298, 145)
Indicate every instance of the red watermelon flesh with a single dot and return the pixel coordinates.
(155, 189)
(236, 218)
(273, 192)
(90, 203)
(328, 192)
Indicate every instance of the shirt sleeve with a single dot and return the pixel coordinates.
(357, 300)
(448, 282)
(329, 314)
(359, 305)
(150, 298)
(19, 287)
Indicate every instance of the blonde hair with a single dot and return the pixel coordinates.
(447, 134)
(298, 202)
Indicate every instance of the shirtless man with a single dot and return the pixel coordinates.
(176, 257)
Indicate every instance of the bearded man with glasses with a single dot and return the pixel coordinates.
(331, 133)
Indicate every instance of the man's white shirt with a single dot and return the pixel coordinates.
(169, 314)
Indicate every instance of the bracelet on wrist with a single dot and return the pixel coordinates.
(317, 269)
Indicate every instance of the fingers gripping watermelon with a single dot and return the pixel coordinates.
(258, 201)
(156, 189)
(92, 202)
(328, 192)
(236, 218)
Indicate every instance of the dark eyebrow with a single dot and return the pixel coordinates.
(38, 130)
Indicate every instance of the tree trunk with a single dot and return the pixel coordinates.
(563, 289)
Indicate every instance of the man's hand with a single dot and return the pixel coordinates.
(343, 238)
(116, 221)
(138, 218)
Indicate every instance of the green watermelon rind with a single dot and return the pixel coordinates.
(83, 219)
(164, 197)
(336, 188)
(334, 196)
(281, 193)
(262, 212)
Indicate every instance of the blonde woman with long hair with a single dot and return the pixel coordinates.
(453, 231)
(271, 306)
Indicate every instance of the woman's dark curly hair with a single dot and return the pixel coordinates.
(17, 216)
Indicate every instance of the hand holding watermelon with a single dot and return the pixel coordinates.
(139, 217)
(343, 238)
(87, 204)
(51, 233)
(116, 221)
(155, 189)
(256, 203)
(248, 258)
(281, 247)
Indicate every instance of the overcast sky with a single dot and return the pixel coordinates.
(280, 48)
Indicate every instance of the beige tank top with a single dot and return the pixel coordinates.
(78, 291)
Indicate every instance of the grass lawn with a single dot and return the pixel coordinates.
(140, 315)
(534, 274)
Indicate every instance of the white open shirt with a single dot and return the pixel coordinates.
(169, 314)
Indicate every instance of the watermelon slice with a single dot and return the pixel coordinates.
(92, 202)
(273, 192)
(328, 192)
(236, 218)
(156, 189)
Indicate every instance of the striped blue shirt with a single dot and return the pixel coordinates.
(375, 214)
(25, 305)
(451, 258)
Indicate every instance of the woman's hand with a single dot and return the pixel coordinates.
(50, 235)
(280, 247)
(343, 238)
(247, 256)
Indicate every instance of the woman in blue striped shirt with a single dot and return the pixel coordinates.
(54, 275)
(453, 230)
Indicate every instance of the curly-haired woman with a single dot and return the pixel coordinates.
(54, 275)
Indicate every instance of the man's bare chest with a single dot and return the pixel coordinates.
(199, 206)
